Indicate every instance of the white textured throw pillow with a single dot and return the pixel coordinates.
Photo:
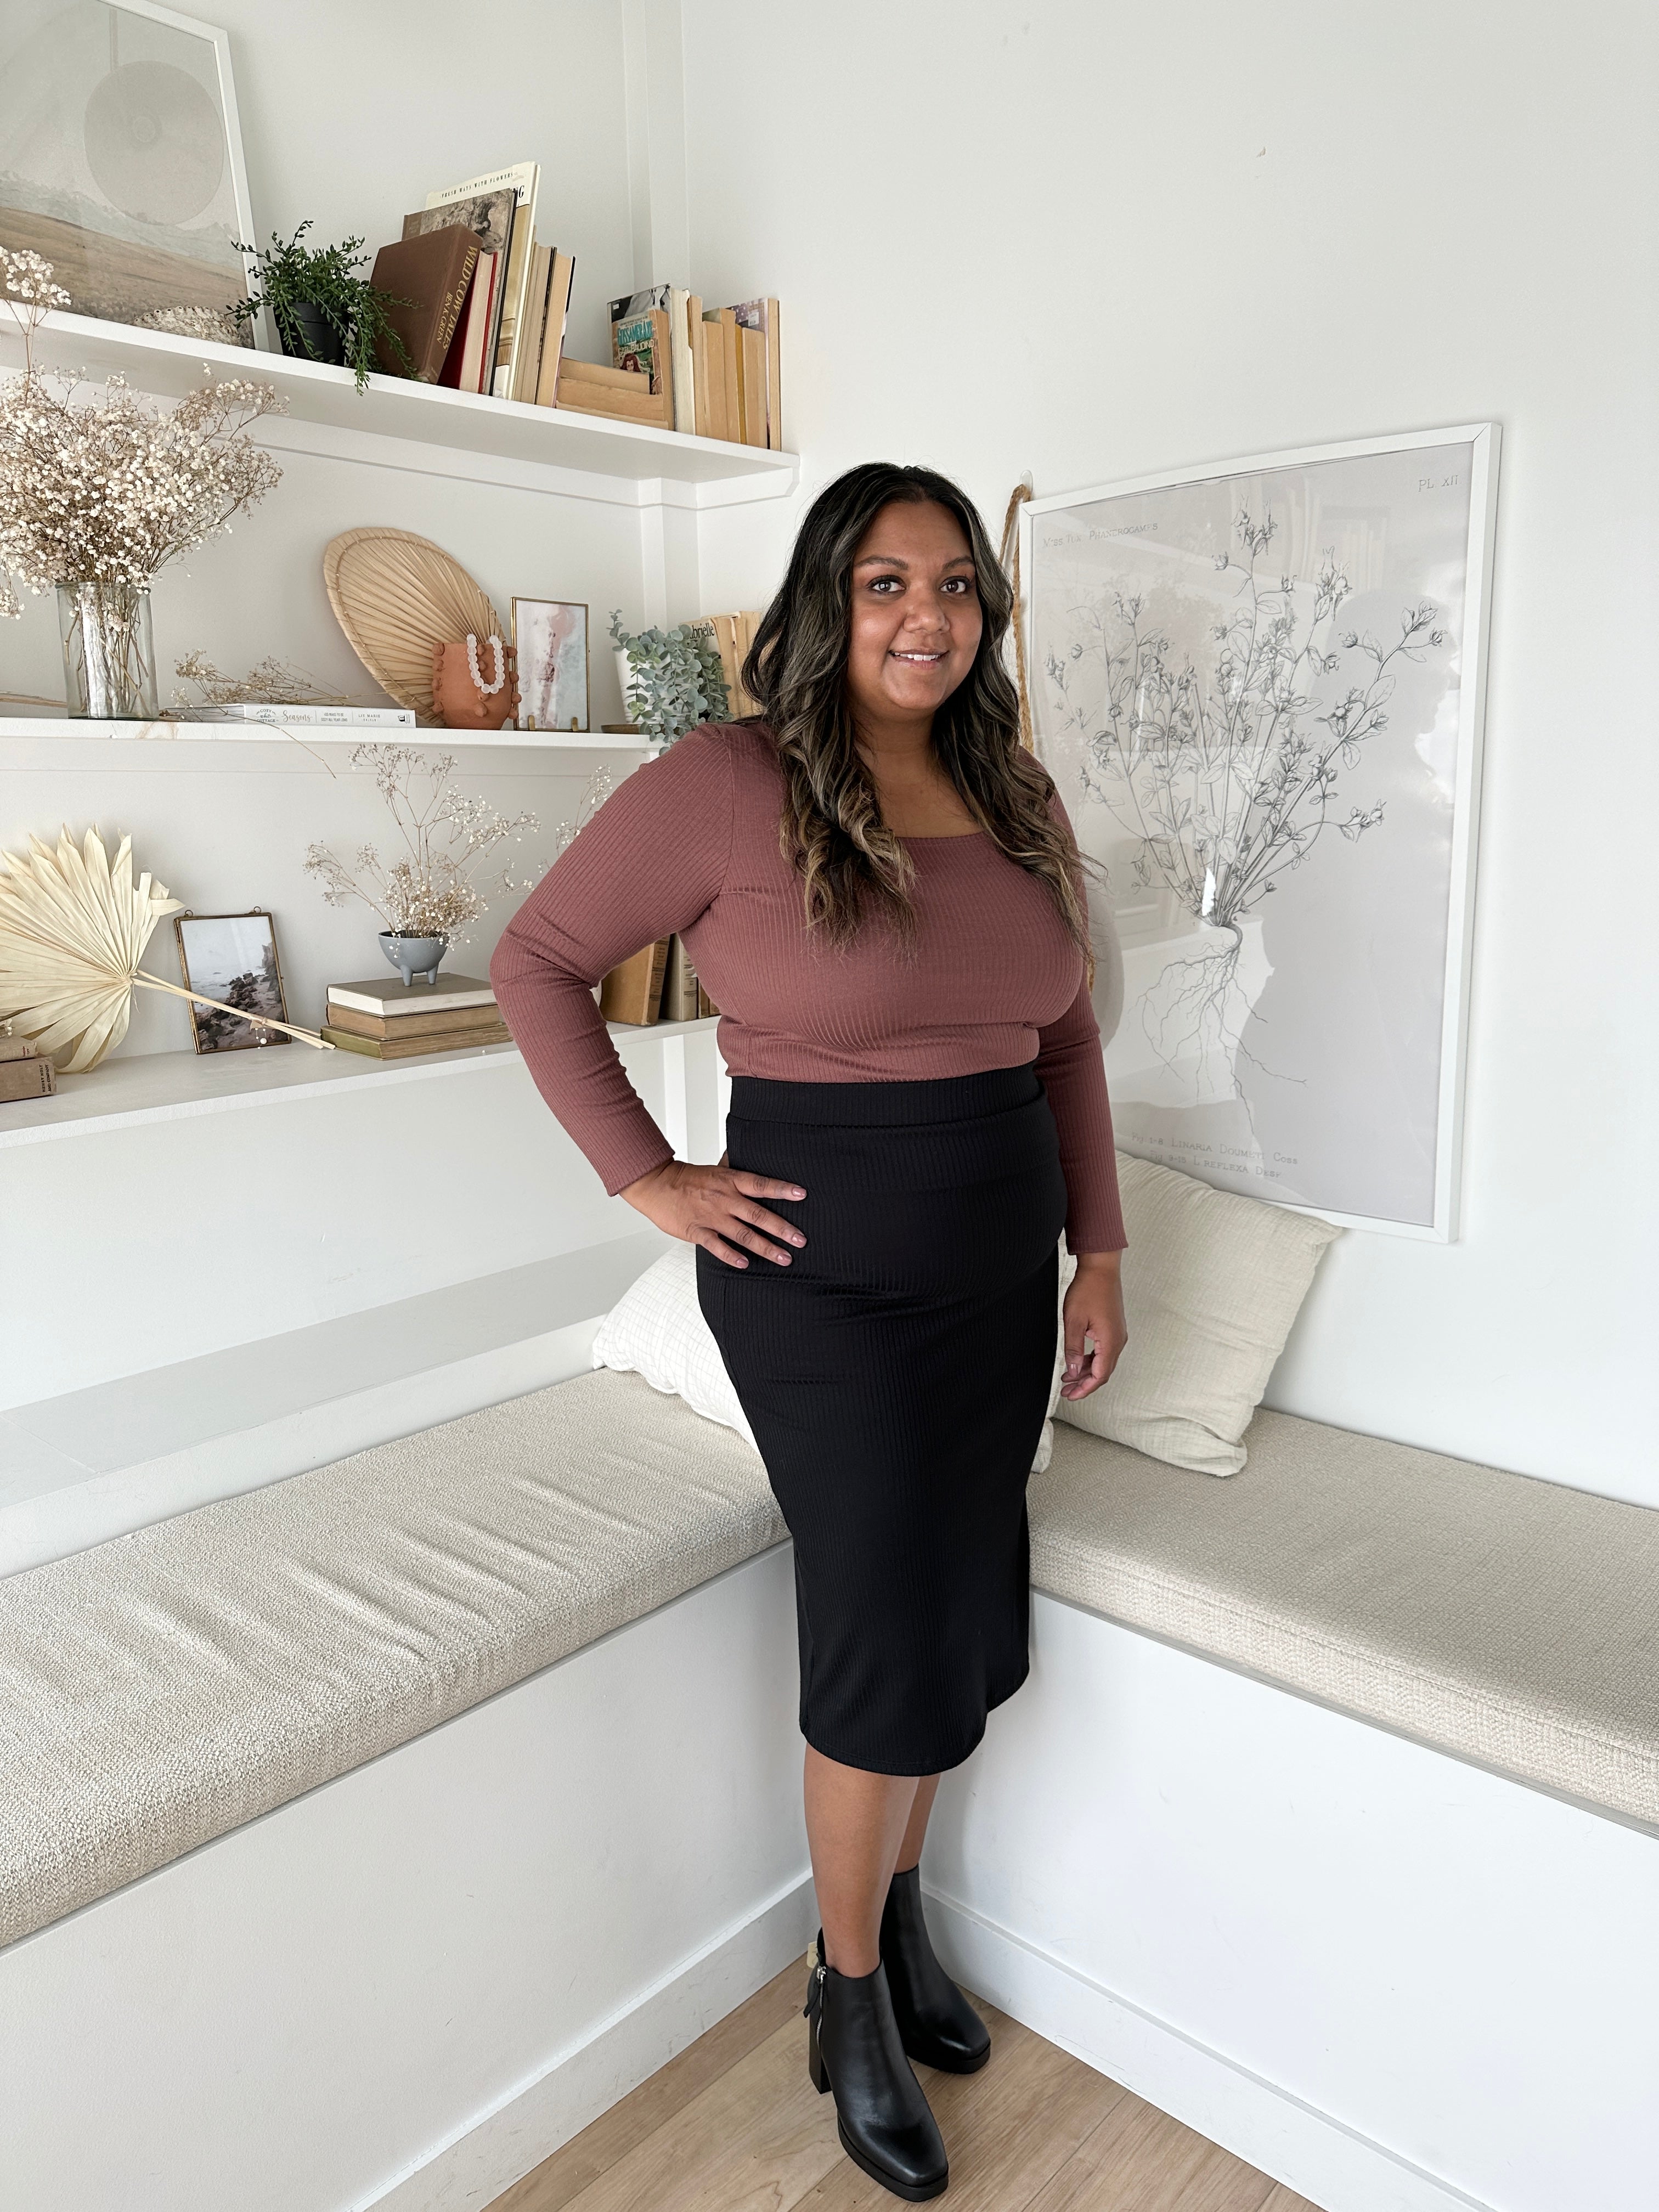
(1212, 1283)
(656, 1329)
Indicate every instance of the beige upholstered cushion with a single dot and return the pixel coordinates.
(1211, 1284)
(157, 1691)
(1510, 1621)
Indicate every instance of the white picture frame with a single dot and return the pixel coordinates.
(118, 103)
(1087, 555)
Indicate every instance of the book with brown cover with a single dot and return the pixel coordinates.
(706, 1006)
(445, 1022)
(632, 992)
(430, 276)
(400, 1047)
(16, 1048)
(32, 1077)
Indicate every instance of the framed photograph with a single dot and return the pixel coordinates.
(1260, 688)
(232, 956)
(121, 157)
(552, 639)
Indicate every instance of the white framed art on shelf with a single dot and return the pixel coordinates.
(1260, 688)
(121, 161)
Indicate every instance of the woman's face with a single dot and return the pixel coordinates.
(916, 617)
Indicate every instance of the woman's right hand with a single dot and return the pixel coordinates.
(717, 1208)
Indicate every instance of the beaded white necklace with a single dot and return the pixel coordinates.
(487, 689)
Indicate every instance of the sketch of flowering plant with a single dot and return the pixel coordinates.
(1225, 776)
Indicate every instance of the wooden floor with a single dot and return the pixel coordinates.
(733, 2125)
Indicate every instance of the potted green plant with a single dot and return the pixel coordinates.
(322, 309)
(670, 678)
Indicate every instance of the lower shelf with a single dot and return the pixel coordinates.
(165, 1086)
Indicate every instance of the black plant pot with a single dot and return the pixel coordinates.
(306, 331)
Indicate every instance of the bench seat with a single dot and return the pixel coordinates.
(1510, 1621)
(160, 1690)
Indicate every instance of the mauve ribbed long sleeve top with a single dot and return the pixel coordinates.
(690, 842)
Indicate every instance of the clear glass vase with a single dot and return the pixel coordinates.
(109, 654)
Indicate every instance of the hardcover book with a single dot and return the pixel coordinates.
(429, 277)
(380, 996)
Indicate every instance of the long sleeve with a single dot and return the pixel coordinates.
(651, 860)
(1072, 1067)
(1072, 1071)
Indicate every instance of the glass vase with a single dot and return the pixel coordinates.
(109, 654)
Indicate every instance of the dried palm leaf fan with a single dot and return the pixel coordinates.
(397, 596)
(73, 929)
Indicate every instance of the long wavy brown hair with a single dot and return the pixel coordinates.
(831, 831)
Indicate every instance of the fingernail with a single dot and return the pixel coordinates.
(796, 1192)
(784, 1259)
(797, 1239)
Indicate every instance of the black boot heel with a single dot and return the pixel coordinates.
(854, 2050)
(936, 2023)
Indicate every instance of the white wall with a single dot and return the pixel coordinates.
(1094, 241)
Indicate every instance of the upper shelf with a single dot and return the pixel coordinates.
(397, 407)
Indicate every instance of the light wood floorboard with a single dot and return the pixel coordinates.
(732, 2125)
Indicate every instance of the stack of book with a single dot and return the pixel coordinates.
(712, 373)
(488, 303)
(658, 984)
(396, 1021)
(24, 1072)
(485, 305)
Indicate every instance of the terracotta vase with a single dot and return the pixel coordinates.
(459, 701)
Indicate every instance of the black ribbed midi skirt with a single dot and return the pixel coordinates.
(895, 1374)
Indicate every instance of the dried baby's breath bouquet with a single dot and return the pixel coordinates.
(429, 891)
(101, 485)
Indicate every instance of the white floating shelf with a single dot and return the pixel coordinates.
(397, 407)
(304, 734)
(171, 1087)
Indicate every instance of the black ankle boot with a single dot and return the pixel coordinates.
(937, 2025)
(854, 2051)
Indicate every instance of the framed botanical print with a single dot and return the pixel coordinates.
(552, 639)
(1260, 688)
(232, 956)
(121, 160)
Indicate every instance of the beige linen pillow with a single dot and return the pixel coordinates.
(1212, 1283)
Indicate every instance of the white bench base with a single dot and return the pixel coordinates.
(407, 1987)
(1391, 1979)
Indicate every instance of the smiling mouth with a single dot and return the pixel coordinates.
(922, 659)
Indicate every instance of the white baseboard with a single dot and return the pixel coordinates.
(499, 2147)
(1310, 2152)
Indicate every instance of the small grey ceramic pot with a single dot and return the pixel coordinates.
(414, 956)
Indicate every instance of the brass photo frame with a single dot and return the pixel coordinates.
(236, 959)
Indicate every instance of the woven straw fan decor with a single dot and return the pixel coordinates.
(73, 929)
(397, 596)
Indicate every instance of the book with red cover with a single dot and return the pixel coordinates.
(464, 367)
(431, 274)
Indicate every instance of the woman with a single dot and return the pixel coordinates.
(881, 891)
